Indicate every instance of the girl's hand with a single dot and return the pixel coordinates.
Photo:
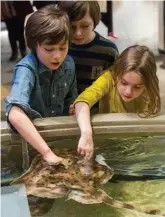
(86, 146)
(53, 159)
(71, 109)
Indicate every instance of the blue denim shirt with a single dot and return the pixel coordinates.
(41, 92)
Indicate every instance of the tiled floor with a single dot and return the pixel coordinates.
(7, 71)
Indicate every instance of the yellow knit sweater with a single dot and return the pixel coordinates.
(104, 90)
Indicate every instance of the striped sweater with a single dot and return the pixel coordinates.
(91, 59)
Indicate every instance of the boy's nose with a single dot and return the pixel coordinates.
(78, 32)
(56, 55)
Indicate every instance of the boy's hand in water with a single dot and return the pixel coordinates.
(86, 146)
(53, 159)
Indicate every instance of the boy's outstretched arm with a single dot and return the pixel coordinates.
(26, 129)
(85, 145)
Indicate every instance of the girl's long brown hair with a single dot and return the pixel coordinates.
(141, 60)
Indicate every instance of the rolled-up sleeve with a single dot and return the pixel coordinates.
(22, 85)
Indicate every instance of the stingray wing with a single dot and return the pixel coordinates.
(24, 176)
(85, 196)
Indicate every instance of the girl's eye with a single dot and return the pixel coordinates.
(137, 87)
(123, 82)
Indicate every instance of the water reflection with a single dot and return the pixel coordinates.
(139, 178)
(136, 157)
(133, 159)
(146, 195)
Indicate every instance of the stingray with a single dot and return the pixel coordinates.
(81, 181)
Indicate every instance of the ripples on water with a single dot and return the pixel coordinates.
(139, 178)
(146, 195)
(139, 165)
(134, 156)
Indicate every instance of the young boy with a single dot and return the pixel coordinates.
(44, 83)
(91, 52)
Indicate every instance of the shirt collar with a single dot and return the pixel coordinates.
(42, 68)
(61, 70)
(57, 73)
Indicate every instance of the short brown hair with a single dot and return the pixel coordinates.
(77, 9)
(47, 24)
(141, 60)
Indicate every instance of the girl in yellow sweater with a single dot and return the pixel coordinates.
(130, 85)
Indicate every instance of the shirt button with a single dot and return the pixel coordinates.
(53, 95)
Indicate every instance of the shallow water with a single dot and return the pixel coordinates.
(128, 156)
(139, 178)
(147, 195)
(135, 156)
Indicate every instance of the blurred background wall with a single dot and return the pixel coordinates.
(134, 22)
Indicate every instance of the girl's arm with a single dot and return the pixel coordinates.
(96, 91)
(82, 107)
(85, 145)
(26, 129)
